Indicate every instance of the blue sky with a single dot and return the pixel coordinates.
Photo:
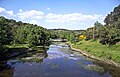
(68, 14)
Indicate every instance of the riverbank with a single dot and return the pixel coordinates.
(96, 51)
(17, 49)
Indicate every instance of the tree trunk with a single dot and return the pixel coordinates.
(93, 33)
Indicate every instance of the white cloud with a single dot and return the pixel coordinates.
(3, 11)
(48, 8)
(31, 14)
(34, 22)
(20, 10)
(71, 18)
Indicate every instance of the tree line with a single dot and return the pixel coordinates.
(13, 32)
(108, 34)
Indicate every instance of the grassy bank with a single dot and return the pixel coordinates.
(98, 50)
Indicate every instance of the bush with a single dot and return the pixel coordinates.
(104, 41)
(109, 41)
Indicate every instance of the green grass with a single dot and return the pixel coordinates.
(102, 51)
(24, 46)
(18, 46)
(21, 47)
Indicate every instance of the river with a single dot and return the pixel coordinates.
(59, 61)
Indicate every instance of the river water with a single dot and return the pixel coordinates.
(59, 61)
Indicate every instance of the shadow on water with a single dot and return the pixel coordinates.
(9, 54)
(13, 56)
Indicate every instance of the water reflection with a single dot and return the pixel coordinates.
(59, 61)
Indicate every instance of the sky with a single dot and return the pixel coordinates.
(54, 14)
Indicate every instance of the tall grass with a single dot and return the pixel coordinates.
(99, 50)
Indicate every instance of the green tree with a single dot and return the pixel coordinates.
(113, 16)
(5, 35)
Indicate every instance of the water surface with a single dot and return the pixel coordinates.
(60, 61)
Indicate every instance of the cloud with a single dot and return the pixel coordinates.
(4, 12)
(50, 20)
(48, 8)
(31, 14)
(34, 22)
(20, 10)
(71, 18)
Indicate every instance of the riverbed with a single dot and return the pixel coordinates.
(58, 61)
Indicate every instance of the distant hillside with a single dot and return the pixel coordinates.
(61, 30)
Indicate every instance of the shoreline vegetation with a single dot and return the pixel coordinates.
(98, 52)
(19, 49)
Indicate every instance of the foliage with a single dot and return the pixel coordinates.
(22, 33)
(70, 36)
(63, 34)
(113, 16)
(102, 51)
(32, 35)
(81, 37)
(5, 35)
(108, 34)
